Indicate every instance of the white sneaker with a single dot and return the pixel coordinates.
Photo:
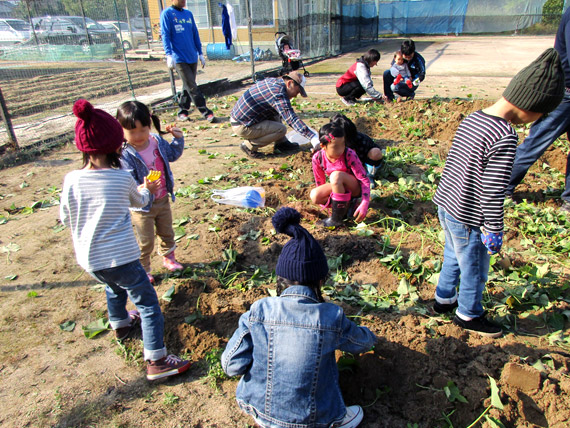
(347, 102)
(353, 417)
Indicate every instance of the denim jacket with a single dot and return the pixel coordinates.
(285, 349)
(132, 162)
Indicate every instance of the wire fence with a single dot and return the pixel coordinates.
(53, 52)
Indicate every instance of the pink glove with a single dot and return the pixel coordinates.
(409, 83)
(361, 211)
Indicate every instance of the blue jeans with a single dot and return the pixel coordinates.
(542, 134)
(401, 88)
(465, 256)
(131, 281)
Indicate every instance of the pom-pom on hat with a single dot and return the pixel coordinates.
(96, 131)
(302, 258)
(539, 87)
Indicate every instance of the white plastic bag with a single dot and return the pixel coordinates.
(295, 137)
(247, 197)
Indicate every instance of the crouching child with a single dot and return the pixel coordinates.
(284, 346)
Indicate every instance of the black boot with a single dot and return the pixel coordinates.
(339, 210)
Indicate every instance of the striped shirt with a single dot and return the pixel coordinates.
(477, 171)
(265, 101)
(95, 206)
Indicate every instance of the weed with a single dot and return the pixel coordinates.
(215, 372)
(170, 399)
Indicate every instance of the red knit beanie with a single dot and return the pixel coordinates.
(95, 130)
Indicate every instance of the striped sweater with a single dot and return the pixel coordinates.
(95, 206)
(477, 171)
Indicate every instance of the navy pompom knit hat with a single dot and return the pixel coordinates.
(302, 258)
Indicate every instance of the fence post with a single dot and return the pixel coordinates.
(249, 27)
(8, 122)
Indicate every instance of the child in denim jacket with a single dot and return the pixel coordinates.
(142, 153)
(284, 347)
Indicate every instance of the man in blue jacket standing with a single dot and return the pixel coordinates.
(547, 129)
(183, 48)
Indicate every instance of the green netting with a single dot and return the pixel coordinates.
(57, 53)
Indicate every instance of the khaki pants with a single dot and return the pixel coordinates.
(261, 134)
(160, 217)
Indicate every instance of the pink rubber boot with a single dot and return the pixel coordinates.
(170, 263)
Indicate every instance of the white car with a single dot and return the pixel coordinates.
(14, 31)
(130, 39)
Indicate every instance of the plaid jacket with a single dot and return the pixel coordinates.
(264, 101)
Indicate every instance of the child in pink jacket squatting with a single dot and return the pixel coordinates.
(347, 177)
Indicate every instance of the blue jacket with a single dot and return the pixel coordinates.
(180, 36)
(562, 44)
(285, 349)
(132, 162)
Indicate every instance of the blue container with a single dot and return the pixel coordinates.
(252, 199)
(217, 51)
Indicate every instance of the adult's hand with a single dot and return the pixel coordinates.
(417, 82)
(202, 60)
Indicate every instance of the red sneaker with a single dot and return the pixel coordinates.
(168, 366)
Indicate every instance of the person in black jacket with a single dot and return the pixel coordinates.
(416, 64)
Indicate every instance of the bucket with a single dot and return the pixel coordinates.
(219, 51)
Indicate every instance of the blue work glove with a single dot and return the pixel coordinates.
(493, 241)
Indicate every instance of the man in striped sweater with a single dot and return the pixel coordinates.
(471, 192)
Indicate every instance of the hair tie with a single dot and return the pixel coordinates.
(329, 137)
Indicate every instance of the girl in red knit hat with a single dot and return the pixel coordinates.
(95, 203)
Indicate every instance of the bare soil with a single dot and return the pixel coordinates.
(50, 377)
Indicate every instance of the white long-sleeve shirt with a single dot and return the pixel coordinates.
(95, 205)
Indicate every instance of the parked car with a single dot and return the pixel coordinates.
(138, 23)
(14, 31)
(70, 30)
(130, 39)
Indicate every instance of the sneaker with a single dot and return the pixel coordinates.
(480, 325)
(168, 366)
(286, 146)
(443, 308)
(250, 153)
(151, 278)
(211, 118)
(170, 263)
(565, 208)
(123, 332)
(182, 117)
(353, 417)
(347, 102)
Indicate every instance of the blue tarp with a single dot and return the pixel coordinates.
(422, 17)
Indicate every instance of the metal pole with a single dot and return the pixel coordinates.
(330, 28)
(249, 28)
(209, 11)
(124, 54)
(8, 122)
(30, 19)
(144, 23)
(86, 30)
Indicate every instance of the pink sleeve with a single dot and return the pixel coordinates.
(359, 172)
(318, 172)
